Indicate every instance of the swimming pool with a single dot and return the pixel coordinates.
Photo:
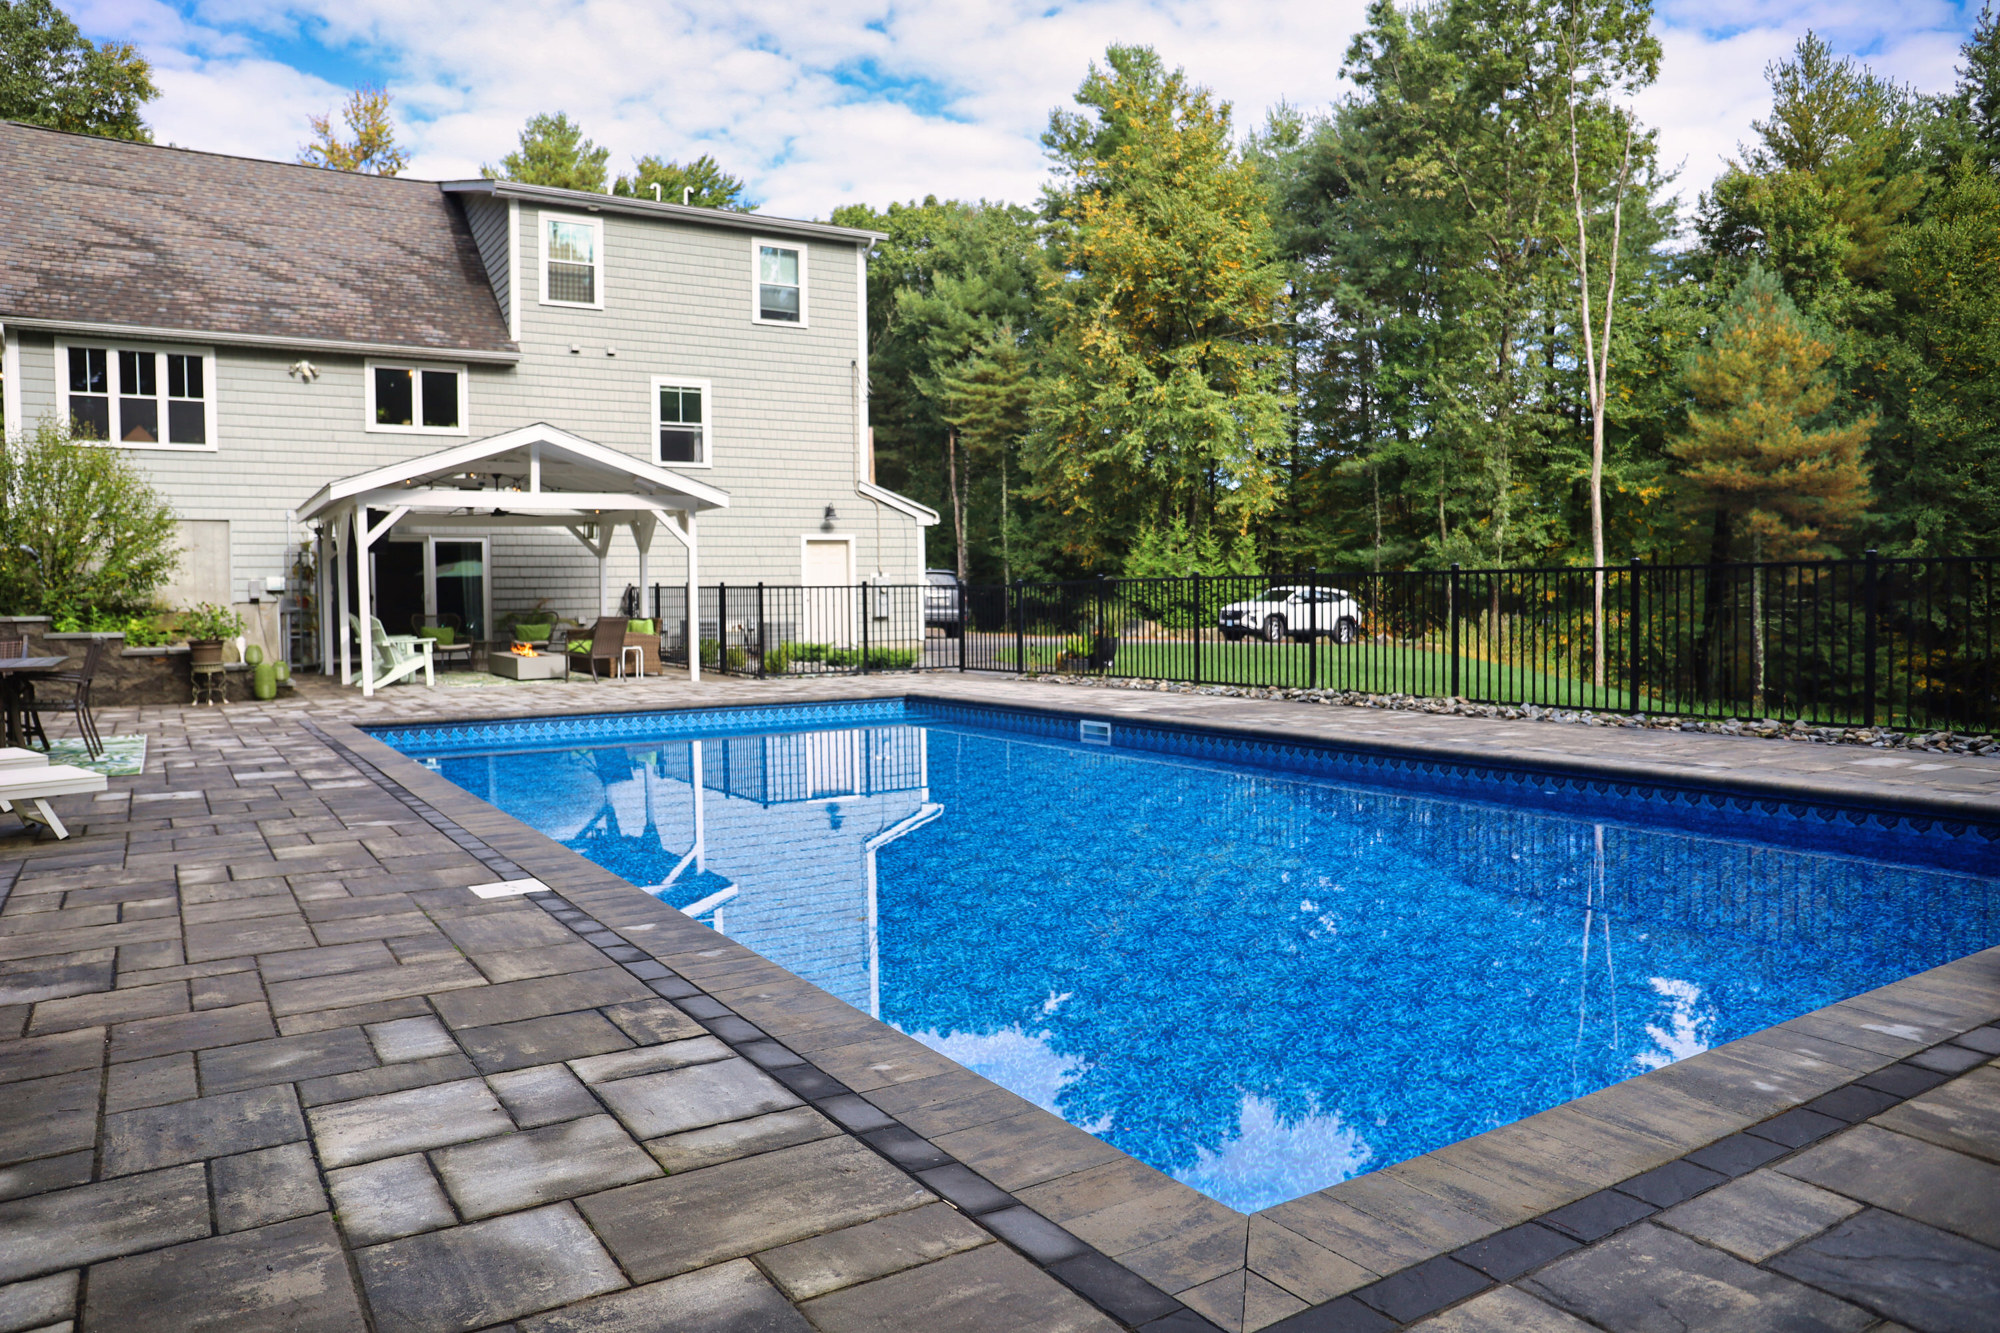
(1261, 967)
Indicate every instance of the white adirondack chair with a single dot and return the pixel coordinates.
(396, 655)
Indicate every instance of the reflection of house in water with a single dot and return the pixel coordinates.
(774, 846)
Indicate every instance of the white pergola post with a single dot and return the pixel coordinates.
(341, 537)
(642, 537)
(694, 604)
(368, 537)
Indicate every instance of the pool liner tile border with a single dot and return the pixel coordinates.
(1728, 1155)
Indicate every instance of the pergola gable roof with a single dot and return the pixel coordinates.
(542, 461)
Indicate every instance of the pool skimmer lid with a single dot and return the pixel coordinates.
(507, 888)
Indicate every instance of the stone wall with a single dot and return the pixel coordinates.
(125, 676)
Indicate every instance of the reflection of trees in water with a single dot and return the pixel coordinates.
(1413, 965)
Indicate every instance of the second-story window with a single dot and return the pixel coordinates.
(780, 289)
(572, 261)
(137, 396)
(419, 400)
(682, 421)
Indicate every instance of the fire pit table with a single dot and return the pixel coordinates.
(502, 661)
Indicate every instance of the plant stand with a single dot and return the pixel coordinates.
(211, 683)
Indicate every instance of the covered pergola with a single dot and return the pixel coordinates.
(538, 476)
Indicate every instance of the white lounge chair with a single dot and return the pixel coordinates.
(31, 786)
(13, 757)
(397, 655)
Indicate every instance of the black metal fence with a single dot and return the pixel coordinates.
(1902, 642)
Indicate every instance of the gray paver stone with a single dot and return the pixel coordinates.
(543, 1095)
(168, 1078)
(399, 1122)
(37, 1302)
(73, 1227)
(1755, 1216)
(651, 1021)
(960, 1294)
(653, 1105)
(728, 1298)
(741, 1138)
(471, 1276)
(541, 1166)
(1649, 1280)
(285, 1060)
(541, 1041)
(649, 1059)
(809, 1268)
(157, 1136)
(47, 1173)
(255, 1189)
(658, 1228)
(1909, 1176)
(389, 1199)
(1923, 1277)
(290, 1276)
(410, 1039)
(47, 1116)
(1503, 1310)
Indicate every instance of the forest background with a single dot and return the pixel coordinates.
(1463, 316)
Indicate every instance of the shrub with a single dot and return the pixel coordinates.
(80, 530)
(206, 620)
(811, 652)
(737, 659)
(777, 661)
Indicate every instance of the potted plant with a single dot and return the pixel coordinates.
(206, 626)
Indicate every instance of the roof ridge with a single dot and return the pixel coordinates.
(209, 152)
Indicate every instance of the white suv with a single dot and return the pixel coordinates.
(1302, 613)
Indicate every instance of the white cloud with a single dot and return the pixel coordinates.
(818, 104)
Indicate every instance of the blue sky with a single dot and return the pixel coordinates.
(823, 102)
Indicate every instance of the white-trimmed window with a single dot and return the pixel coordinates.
(778, 282)
(140, 397)
(416, 399)
(682, 421)
(572, 260)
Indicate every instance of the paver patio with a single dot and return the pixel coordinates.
(266, 1062)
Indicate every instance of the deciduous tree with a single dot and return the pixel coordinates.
(702, 183)
(373, 149)
(80, 528)
(51, 74)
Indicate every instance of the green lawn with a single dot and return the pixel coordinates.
(1375, 668)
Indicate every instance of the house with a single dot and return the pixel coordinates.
(498, 392)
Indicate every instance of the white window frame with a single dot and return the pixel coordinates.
(542, 220)
(707, 418)
(368, 421)
(757, 243)
(111, 349)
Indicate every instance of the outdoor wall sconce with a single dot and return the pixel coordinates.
(304, 371)
(829, 519)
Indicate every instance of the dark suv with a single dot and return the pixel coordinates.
(944, 602)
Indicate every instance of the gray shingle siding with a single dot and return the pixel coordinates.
(677, 302)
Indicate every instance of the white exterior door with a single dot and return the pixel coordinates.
(827, 571)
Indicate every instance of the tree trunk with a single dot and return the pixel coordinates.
(1006, 537)
(957, 498)
(1757, 622)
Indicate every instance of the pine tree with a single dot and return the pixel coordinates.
(373, 149)
(1758, 447)
(553, 152)
(1979, 84)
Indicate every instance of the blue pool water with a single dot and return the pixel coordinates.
(1261, 968)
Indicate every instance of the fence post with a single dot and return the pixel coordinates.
(1632, 662)
(760, 631)
(1451, 612)
(964, 617)
(1312, 630)
(867, 614)
(722, 629)
(1020, 632)
(1868, 641)
(1197, 629)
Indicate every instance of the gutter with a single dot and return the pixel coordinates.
(483, 356)
(587, 202)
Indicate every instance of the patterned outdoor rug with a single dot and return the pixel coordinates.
(123, 757)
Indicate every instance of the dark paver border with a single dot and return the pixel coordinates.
(1401, 1295)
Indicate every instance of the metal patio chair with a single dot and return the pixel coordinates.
(76, 700)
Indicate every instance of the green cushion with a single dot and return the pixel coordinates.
(579, 645)
(444, 634)
(639, 626)
(534, 633)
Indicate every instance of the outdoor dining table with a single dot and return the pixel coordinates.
(14, 672)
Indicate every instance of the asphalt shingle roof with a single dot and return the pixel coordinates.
(100, 231)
